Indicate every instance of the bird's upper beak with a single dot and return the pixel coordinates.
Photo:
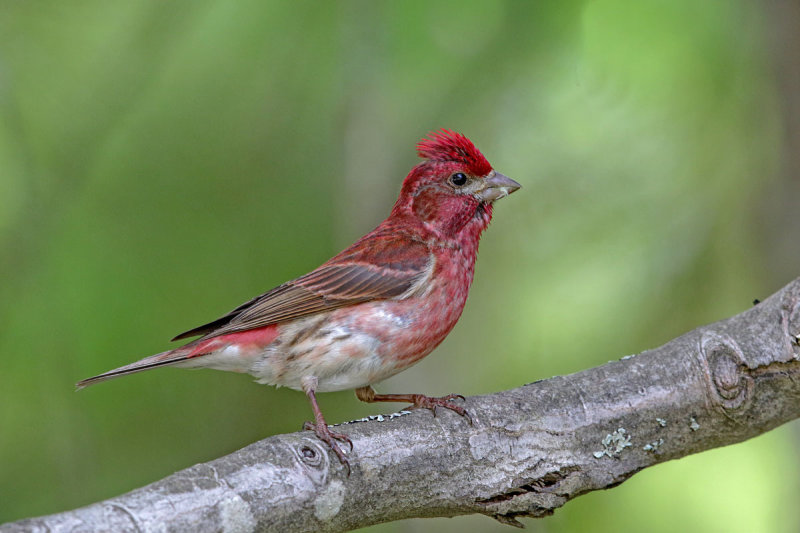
(496, 186)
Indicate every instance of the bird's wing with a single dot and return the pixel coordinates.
(379, 266)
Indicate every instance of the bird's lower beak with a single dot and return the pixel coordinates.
(497, 186)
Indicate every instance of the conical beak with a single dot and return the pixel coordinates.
(497, 186)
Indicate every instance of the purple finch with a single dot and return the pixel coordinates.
(373, 310)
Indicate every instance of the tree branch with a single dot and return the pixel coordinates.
(530, 450)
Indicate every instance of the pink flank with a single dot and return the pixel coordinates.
(253, 339)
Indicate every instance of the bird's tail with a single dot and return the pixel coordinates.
(170, 357)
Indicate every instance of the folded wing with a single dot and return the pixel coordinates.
(379, 266)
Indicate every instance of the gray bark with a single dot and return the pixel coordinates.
(528, 452)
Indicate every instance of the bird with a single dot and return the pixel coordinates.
(371, 311)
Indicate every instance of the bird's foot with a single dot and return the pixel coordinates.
(329, 437)
(420, 401)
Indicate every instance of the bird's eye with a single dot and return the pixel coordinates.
(458, 179)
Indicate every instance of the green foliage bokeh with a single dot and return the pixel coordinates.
(161, 162)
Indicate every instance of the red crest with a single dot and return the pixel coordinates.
(446, 145)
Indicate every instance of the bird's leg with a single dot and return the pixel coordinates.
(320, 427)
(418, 401)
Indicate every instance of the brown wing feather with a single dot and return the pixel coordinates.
(377, 267)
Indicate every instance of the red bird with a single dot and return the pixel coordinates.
(373, 310)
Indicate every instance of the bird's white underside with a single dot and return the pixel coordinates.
(340, 357)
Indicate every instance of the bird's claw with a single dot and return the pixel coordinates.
(327, 436)
(421, 401)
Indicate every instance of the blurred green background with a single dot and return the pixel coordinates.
(163, 161)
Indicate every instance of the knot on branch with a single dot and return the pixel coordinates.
(313, 459)
(727, 375)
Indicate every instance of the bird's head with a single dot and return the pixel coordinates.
(455, 184)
